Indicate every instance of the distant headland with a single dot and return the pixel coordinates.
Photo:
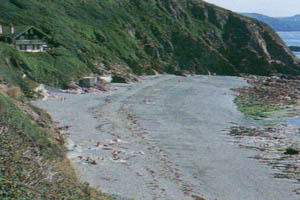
(278, 23)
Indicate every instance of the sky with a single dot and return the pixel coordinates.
(272, 8)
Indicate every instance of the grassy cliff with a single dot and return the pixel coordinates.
(140, 37)
(32, 160)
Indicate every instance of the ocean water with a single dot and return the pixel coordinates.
(291, 38)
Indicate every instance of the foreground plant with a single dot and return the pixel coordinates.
(33, 164)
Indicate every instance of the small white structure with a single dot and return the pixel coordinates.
(107, 78)
(88, 81)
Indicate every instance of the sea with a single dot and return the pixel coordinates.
(291, 38)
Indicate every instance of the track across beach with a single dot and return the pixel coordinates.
(164, 137)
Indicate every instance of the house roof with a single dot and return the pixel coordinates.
(19, 30)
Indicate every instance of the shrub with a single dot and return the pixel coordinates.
(14, 92)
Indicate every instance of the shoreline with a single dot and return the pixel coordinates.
(122, 135)
(133, 148)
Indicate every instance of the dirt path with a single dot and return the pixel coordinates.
(162, 138)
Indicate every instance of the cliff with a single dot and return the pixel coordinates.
(140, 37)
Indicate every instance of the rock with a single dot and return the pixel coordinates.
(115, 140)
(91, 161)
(268, 156)
(178, 73)
(100, 37)
(197, 197)
(296, 146)
(297, 191)
(99, 144)
(42, 91)
(291, 151)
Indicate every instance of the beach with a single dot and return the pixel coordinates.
(164, 137)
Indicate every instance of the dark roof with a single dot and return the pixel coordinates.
(19, 30)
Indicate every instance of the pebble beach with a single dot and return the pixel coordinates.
(165, 137)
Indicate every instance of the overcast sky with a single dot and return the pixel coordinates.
(273, 8)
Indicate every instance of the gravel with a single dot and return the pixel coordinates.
(164, 137)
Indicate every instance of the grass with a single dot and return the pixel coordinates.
(270, 123)
(254, 109)
(265, 95)
(130, 36)
(32, 159)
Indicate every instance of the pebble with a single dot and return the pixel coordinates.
(272, 145)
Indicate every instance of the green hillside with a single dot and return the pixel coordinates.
(32, 160)
(139, 36)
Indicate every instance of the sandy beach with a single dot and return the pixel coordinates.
(164, 137)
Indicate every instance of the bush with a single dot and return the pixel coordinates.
(14, 92)
(32, 162)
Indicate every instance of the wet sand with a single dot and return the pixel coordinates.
(164, 138)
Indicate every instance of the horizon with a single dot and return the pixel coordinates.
(268, 15)
(271, 8)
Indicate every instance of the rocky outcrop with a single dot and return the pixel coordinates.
(223, 42)
(199, 37)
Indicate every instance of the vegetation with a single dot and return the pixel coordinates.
(32, 161)
(140, 37)
(267, 94)
(254, 109)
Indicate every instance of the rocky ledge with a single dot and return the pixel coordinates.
(274, 101)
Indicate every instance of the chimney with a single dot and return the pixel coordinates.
(1, 29)
(12, 29)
